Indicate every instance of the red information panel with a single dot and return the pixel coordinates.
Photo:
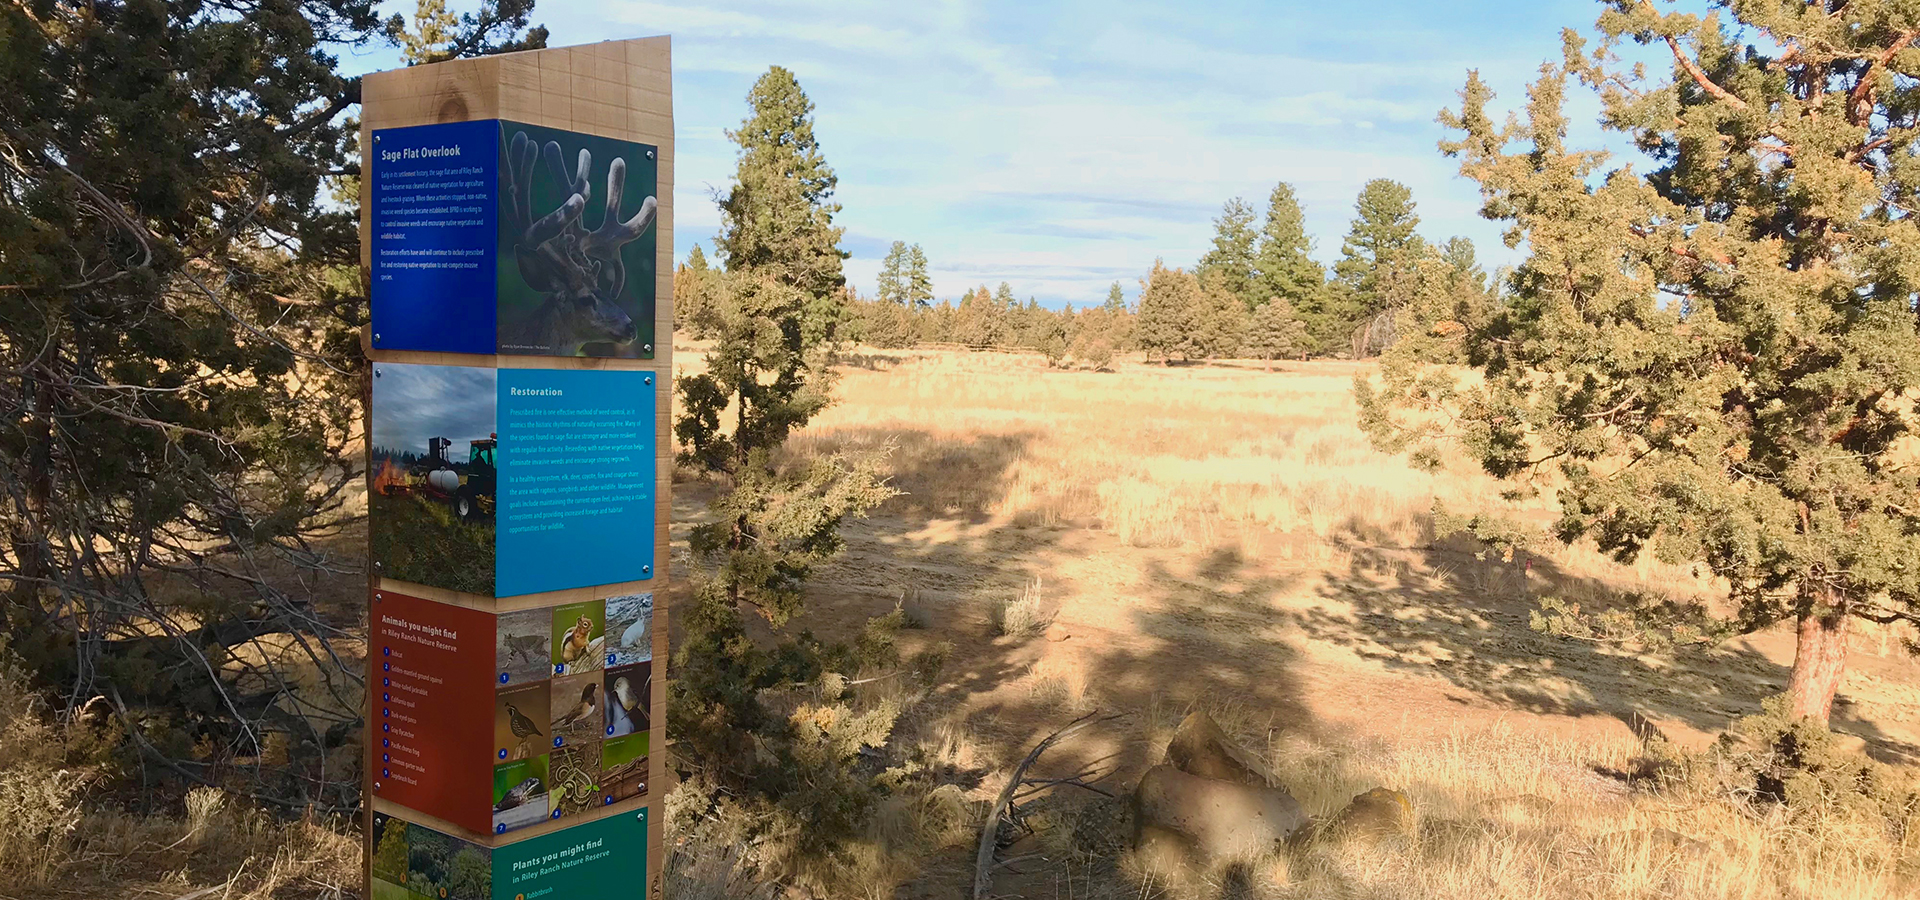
(433, 711)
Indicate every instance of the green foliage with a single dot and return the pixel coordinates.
(1165, 324)
(1220, 319)
(1285, 265)
(734, 717)
(777, 218)
(423, 541)
(699, 295)
(1720, 359)
(1776, 761)
(390, 855)
(1642, 622)
(981, 321)
(1232, 258)
(919, 284)
(436, 35)
(1379, 267)
(892, 280)
(179, 368)
(1116, 304)
(1275, 332)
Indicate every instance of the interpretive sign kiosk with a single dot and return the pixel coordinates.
(517, 234)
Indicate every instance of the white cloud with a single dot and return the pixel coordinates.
(1063, 147)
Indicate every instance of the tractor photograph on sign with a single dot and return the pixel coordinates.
(435, 475)
(467, 486)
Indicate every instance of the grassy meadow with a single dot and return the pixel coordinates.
(1152, 540)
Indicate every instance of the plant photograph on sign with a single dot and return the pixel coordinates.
(522, 639)
(389, 861)
(629, 629)
(433, 462)
(577, 241)
(443, 867)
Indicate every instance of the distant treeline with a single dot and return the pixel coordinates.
(1258, 293)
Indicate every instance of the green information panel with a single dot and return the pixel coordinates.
(603, 858)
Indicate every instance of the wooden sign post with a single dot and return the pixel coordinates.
(517, 234)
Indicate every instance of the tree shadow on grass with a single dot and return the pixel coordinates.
(1448, 609)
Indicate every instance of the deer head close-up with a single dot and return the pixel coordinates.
(581, 272)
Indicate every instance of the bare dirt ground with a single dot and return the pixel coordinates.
(1222, 537)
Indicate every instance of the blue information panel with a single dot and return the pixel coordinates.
(435, 228)
(500, 237)
(577, 468)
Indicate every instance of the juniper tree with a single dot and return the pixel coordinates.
(698, 292)
(778, 516)
(1168, 319)
(1718, 359)
(1219, 319)
(178, 377)
(1274, 332)
(1233, 255)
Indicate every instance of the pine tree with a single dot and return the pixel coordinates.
(699, 292)
(777, 219)
(1169, 304)
(779, 516)
(1719, 359)
(1116, 300)
(1233, 255)
(893, 277)
(1379, 262)
(435, 34)
(1285, 265)
(1275, 332)
(919, 285)
(180, 369)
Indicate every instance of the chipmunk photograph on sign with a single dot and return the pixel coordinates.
(434, 464)
(577, 237)
(579, 637)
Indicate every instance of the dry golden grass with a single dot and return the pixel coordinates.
(1499, 813)
(1336, 634)
(1197, 457)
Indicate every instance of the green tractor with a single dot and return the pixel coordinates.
(475, 498)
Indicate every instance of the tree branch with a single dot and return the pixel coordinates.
(1693, 69)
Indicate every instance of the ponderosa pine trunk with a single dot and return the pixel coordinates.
(1819, 660)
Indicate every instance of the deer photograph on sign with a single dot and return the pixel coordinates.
(577, 237)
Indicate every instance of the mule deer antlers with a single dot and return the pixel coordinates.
(556, 253)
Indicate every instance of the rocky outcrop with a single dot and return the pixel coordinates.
(1210, 802)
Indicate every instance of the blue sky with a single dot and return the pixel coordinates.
(1063, 146)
